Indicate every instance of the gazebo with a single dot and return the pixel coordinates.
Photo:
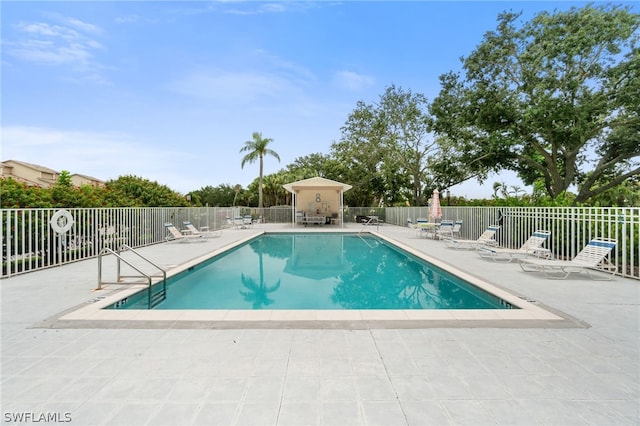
(317, 200)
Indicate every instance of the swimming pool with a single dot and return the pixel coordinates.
(318, 271)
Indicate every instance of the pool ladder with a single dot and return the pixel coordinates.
(154, 298)
(372, 220)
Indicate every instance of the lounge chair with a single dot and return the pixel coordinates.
(594, 254)
(247, 221)
(204, 231)
(487, 238)
(175, 234)
(531, 247)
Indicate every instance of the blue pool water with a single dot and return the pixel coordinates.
(317, 271)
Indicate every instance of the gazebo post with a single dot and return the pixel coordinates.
(294, 202)
(341, 208)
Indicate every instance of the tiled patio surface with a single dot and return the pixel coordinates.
(586, 373)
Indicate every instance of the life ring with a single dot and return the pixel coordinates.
(61, 221)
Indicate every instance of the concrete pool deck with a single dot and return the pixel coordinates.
(453, 372)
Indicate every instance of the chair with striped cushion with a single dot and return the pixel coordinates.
(593, 255)
(487, 238)
(531, 247)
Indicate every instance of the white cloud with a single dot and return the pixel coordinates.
(128, 19)
(83, 26)
(229, 86)
(273, 7)
(284, 67)
(258, 8)
(350, 80)
(262, 76)
(46, 52)
(45, 30)
(101, 155)
(70, 43)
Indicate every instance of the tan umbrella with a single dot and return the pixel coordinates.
(435, 211)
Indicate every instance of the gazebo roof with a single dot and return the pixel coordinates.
(316, 183)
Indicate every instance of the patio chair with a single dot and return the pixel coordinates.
(175, 234)
(445, 229)
(531, 247)
(247, 221)
(203, 231)
(487, 238)
(457, 226)
(593, 255)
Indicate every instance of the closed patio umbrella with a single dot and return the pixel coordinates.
(435, 211)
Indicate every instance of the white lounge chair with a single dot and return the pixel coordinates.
(531, 247)
(175, 234)
(204, 231)
(594, 254)
(487, 238)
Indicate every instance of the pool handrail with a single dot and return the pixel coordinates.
(153, 299)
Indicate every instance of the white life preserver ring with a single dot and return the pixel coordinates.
(61, 221)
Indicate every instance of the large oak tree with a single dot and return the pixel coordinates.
(554, 99)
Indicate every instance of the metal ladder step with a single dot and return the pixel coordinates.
(157, 297)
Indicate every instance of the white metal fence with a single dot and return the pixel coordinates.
(29, 243)
(571, 228)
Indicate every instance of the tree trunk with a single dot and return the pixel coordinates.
(260, 184)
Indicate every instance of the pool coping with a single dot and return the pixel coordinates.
(529, 315)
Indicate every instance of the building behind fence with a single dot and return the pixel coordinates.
(29, 242)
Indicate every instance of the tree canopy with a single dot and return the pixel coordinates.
(555, 99)
(126, 191)
(387, 149)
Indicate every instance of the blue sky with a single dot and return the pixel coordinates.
(169, 91)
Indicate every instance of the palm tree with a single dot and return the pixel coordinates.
(257, 148)
(237, 188)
